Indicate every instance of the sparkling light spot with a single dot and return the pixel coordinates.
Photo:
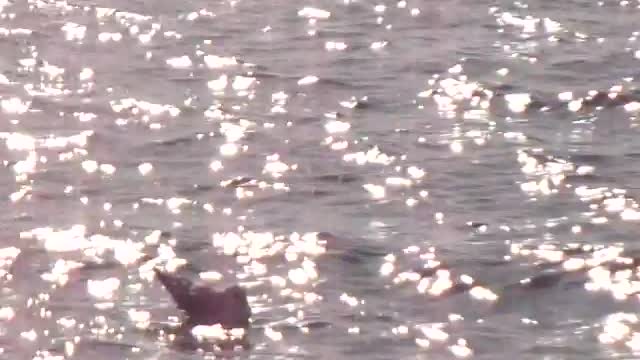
(336, 126)
(377, 45)
(335, 46)
(7, 313)
(213, 332)
(241, 83)
(181, 62)
(103, 289)
(456, 147)
(434, 333)
(308, 80)
(86, 74)
(349, 300)
(106, 37)
(565, 96)
(518, 102)
(216, 62)
(211, 276)
(90, 166)
(415, 172)
(461, 349)
(229, 149)
(423, 343)
(73, 31)
(30, 335)
(273, 334)
(141, 319)
(216, 165)
(481, 293)
(376, 191)
(14, 105)
(298, 276)
(145, 168)
(219, 84)
(314, 13)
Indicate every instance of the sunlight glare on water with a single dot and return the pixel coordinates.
(384, 179)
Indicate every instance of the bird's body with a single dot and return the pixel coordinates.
(206, 306)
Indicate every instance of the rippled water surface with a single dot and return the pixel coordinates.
(388, 179)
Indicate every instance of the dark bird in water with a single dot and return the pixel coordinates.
(206, 306)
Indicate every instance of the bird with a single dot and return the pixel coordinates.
(204, 305)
